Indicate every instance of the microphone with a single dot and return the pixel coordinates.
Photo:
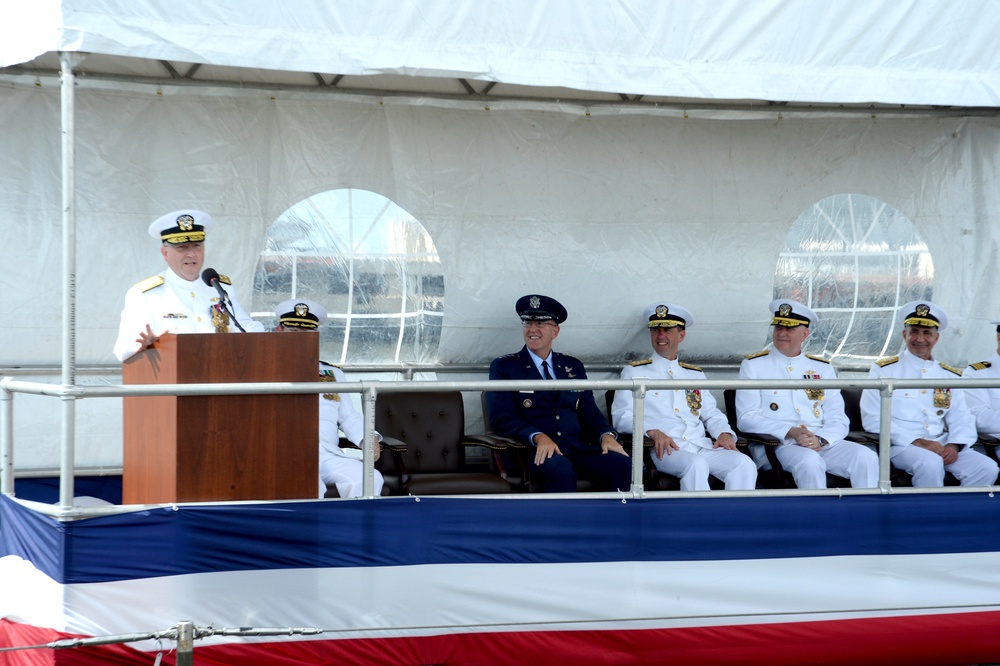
(210, 276)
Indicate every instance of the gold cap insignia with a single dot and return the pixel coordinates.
(301, 309)
(185, 223)
(922, 310)
(784, 310)
(661, 311)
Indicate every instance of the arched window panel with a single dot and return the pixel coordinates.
(854, 260)
(373, 267)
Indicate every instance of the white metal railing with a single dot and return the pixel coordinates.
(370, 390)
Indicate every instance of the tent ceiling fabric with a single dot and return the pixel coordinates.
(913, 52)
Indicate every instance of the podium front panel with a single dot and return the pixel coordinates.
(222, 448)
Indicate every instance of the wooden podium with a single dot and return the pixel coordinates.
(222, 447)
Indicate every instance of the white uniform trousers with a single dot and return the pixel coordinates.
(927, 468)
(733, 468)
(848, 459)
(348, 474)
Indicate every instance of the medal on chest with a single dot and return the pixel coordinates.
(328, 376)
(942, 397)
(693, 400)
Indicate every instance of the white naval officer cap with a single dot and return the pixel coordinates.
(923, 313)
(181, 226)
(667, 315)
(789, 313)
(300, 313)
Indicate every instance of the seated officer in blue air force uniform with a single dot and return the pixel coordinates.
(985, 403)
(176, 300)
(932, 430)
(677, 420)
(810, 423)
(567, 432)
(341, 467)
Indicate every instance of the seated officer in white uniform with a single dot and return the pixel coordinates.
(177, 300)
(343, 467)
(677, 420)
(811, 423)
(985, 403)
(932, 429)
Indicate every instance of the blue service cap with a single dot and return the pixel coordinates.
(535, 307)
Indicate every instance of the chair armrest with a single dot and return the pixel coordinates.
(393, 444)
(759, 438)
(862, 437)
(987, 440)
(493, 442)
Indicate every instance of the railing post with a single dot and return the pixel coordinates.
(638, 432)
(185, 643)
(6, 439)
(368, 397)
(884, 428)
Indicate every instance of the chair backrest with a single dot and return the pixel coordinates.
(852, 407)
(430, 423)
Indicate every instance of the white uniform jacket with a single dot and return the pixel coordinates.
(984, 403)
(168, 302)
(683, 415)
(775, 411)
(940, 415)
(336, 415)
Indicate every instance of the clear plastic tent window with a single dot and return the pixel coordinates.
(854, 260)
(371, 264)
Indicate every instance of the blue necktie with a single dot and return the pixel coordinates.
(545, 369)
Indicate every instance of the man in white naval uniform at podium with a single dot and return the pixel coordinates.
(178, 300)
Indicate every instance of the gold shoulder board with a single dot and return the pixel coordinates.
(758, 354)
(951, 369)
(149, 283)
(638, 363)
(982, 365)
(224, 279)
(817, 358)
(689, 366)
(888, 360)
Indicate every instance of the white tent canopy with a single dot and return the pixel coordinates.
(610, 157)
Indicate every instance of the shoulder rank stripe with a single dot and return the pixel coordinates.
(224, 279)
(757, 354)
(982, 365)
(817, 358)
(149, 283)
(638, 363)
(951, 369)
(888, 360)
(689, 366)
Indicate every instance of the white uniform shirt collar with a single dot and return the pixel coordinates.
(915, 360)
(665, 366)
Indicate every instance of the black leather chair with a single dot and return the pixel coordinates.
(425, 434)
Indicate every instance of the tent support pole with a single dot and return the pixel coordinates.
(68, 126)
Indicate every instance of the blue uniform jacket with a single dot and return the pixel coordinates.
(570, 418)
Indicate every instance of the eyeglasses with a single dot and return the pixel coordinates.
(536, 324)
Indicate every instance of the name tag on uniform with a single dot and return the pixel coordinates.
(175, 315)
